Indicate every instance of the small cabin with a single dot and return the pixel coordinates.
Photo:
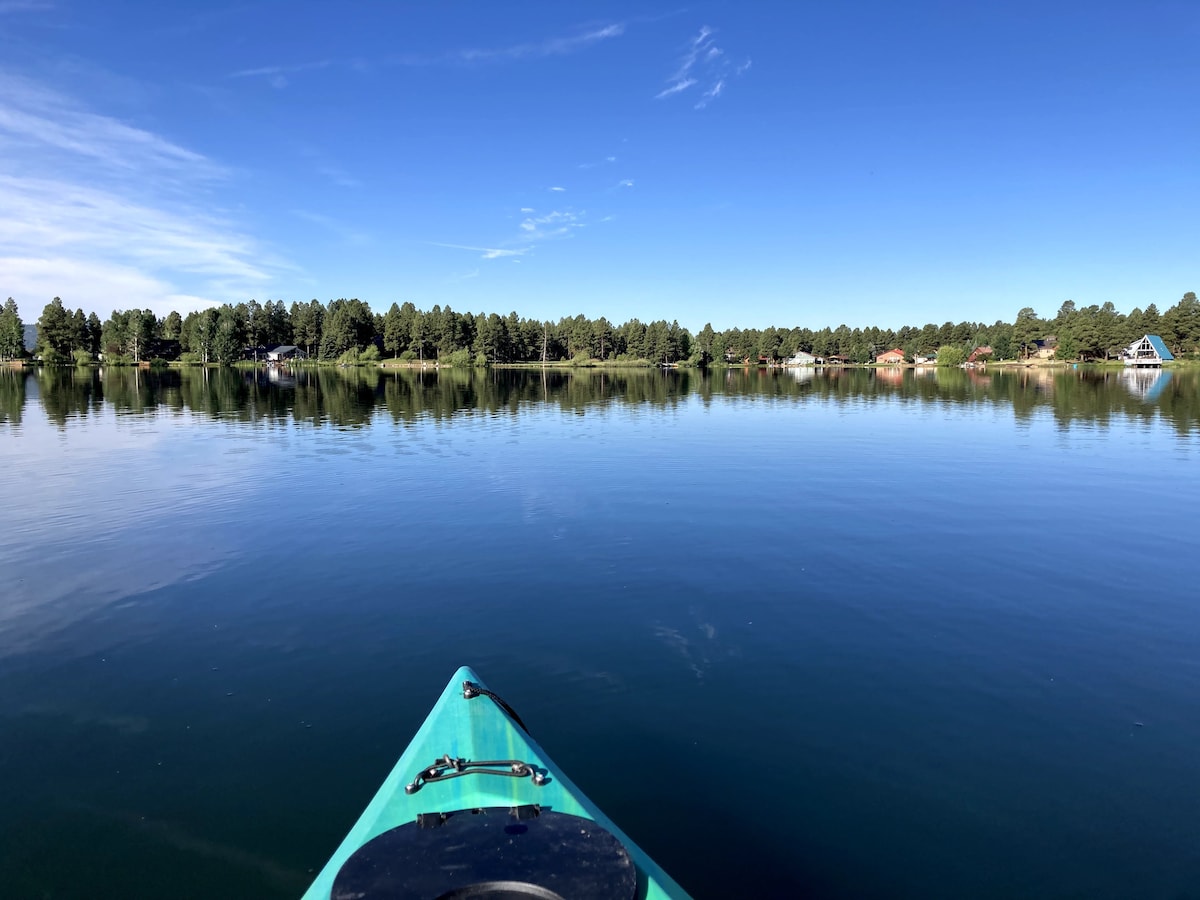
(1147, 352)
(285, 352)
(802, 359)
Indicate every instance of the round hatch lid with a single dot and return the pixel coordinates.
(496, 853)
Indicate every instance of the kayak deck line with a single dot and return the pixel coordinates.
(516, 827)
(441, 770)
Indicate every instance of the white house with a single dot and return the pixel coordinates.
(1148, 351)
(285, 352)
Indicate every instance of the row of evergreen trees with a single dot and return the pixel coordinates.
(348, 329)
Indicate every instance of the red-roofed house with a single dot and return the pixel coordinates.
(891, 357)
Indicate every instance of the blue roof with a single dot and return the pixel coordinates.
(1159, 347)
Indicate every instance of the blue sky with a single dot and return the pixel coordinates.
(747, 164)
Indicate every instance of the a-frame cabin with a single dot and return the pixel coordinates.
(1148, 351)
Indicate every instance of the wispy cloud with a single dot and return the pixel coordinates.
(556, 224)
(533, 229)
(702, 63)
(488, 252)
(678, 87)
(277, 76)
(625, 182)
(711, 94)
(562, 45)
(556, 46)
(557, 189)
(33, 117)
(100, 212)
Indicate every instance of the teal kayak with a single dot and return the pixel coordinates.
(475, 808)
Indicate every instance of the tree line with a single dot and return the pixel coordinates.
(350, 332)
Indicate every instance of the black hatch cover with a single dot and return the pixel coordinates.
(497, 853)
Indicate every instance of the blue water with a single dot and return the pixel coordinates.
(823, 636)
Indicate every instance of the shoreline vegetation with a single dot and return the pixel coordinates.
(348, 333)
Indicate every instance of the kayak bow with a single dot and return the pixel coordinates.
(475, 808)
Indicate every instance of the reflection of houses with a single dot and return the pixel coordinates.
(285, 352)
(892, 375)
(803, 374)
(1148, 351)
(802, 359)
(1144, 382)
(890, 357)
(280, 376)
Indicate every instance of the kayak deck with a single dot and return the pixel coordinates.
(470, 754)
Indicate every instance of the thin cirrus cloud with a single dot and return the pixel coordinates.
(534, 229)
(551, 225)
(557, 46)
(277, 75)
(703, 64)
(102, 213)
(487, 252)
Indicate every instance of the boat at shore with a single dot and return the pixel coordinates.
(475, 808)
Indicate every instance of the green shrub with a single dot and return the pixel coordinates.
(349, 358)
(481, 360)
(370, 355)
(189, 358)
(82, 357)
(408, 355)
(630, 359)
(458, 359)
(950, 357)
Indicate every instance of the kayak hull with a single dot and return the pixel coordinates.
(478, 729)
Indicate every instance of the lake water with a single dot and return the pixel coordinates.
(843, 634)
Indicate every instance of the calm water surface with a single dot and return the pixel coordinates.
(824, 634)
